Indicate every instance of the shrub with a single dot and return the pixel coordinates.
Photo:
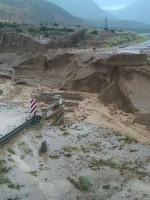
(129, 138)
(13, 25)
(55, 24)
(44, 28)
(2, 24)
(84, 183)
(106, 29)
(31, 30)
(68, 29)
(10, 150)
(46, 35)
(19, 30)
(71, 149)
(3, 180)
(94, 32)
(113, 31)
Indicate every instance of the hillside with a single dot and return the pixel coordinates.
(59, 37)
(35, 11)
(139, 11)
(12, 14)
(83, 8)
(135, 26)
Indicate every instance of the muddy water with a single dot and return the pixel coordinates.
(116, 168)
(137, 48)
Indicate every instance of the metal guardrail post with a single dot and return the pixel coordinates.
(61, 118)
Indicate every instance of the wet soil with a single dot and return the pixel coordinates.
(47, 98)
(102, 149)
(116, 167)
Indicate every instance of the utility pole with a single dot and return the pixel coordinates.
(106, 23)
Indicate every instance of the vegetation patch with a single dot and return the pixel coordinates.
(94, 32)
(113, 163)
(71, 148)
(34, 173)
(32, 30)
(10, 160)
(129, 139)
(83, 183)
(96, 144)
(3, 171)
(65, 133)
(19, 30)
(14, 186)
(101, 162)
(4, 180)
(106, 187)
(22, 143)
(10, 150)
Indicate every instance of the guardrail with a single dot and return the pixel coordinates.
(32, 121)
(54, 112)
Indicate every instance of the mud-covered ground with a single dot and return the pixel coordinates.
(83, 161)
(99, 154)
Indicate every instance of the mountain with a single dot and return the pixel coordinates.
(109, 4)
(138, 11)
(35, 11)
(82, 8)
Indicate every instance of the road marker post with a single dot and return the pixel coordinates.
(33, 106)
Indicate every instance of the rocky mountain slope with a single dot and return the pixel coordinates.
(83, 8)
(139, 11)
(35, 11)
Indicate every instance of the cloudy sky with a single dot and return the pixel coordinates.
(114, 4)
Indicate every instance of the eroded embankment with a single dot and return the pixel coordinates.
(121, 79)
(11, 41)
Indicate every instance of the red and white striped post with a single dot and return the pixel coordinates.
(33, 106)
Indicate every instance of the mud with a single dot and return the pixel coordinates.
(115, 167)
(94, 72)
(106, 135)
(27, 61)
(47, 97)
(89, 109)
(112, 162)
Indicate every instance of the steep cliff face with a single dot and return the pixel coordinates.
(134, 83)
(11, 41)
(70, 71)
